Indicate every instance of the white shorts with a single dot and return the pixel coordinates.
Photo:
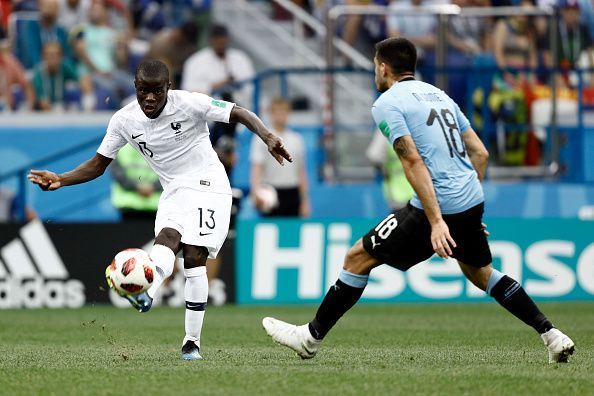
(202, 218)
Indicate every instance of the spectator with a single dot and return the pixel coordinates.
(217, 66)
(396, 188)
(573, 38)
(56, 82)
(147, 17)
(514, 45)
(420, 29)
(359, 31)
(466, 38)
(11, 209)
(173, 46)
(73, 13)
(214, 68)
(587, 16)
(119, 16)
(5, 8)
(465, 34)
(97, 47)
(33, 35)
(136, 190)
(15, 79)
(290, 182)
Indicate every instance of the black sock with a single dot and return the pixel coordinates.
(339, 299)
(512, 297)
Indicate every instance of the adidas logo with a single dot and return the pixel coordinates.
(32, 274)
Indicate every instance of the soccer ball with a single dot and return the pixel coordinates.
(267, 197)
(131, 271)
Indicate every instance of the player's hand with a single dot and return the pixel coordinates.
(277, 149)
(46, 180)
(484, 228)
(441, 239)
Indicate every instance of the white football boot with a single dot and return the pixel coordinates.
(298, 338)
(559, 346)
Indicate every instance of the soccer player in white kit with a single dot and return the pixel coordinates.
(169, 128)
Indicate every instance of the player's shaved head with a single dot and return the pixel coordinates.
(398, 53)
(152, 84)
(151, 69)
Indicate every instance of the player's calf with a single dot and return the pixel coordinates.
(512, 296)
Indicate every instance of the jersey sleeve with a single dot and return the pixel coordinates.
(208, 108)
(463, 122)
(113, 140)
(390, 121)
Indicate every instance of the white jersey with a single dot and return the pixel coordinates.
(176, 144)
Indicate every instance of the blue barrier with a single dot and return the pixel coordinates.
(291, 261)
(26, 146)
(59, 149)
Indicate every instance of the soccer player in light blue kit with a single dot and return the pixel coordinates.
(445, 162)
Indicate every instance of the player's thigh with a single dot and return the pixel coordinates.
(169, 220)
(169, 237)
(201, 218)
(358, 261)
(401, 240)
(472, 245)
(479, 276)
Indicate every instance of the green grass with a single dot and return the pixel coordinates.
(375, 350)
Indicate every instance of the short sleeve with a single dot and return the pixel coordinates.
(463, 122)
(113, 140)
(258, 151)
(208, 108)
(390, 121)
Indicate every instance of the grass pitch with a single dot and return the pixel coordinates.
(375, 349)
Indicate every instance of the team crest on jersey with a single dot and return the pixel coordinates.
(176, 126)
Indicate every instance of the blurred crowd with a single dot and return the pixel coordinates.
(500, 68)
(81, 54)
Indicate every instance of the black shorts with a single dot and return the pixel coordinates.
(289, 201)
(403, 239)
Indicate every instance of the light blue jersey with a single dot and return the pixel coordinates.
(435, 123)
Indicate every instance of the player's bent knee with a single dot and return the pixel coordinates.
(170, 238)
(195, 256)
(478, 276)
(358, 261)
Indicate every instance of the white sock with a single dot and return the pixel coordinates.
(164, 259)
(196, 294)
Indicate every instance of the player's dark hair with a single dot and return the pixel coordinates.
(398, 53)
(190, 31)
(218, 30)
(152, 69)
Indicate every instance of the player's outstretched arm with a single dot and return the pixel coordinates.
(479, 156)
(418, 176)
(255, 124)
(85, 172)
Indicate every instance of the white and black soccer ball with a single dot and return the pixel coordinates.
(131, 271)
